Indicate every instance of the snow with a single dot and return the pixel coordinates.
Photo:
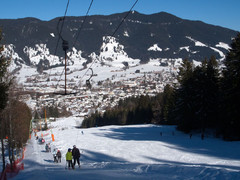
(154, 48)
(112, 61)
(138, 22)
(197, 63)
(222, 55)
(9, 52)
(220, 44)
(112, 51)
(131, 152)
(185, 47)
(40, 52)
(126, 34)
(197, 43)
(223, 45)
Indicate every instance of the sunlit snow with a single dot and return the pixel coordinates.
(197, 43)
(154, 47)
(131, 152)
(186, 48)
(223, 45)
(52, 34)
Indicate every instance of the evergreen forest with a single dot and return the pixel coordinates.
(206, 97)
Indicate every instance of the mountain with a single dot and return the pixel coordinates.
(142, 37)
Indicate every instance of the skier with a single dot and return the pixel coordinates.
(59, 155)
(54, 153)
(76, 155)
(190, 135)
(48, 147)
(69, 158)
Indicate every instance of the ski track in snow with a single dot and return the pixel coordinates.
(131, 152)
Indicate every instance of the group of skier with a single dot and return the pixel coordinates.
(57, 155)
(73, 154)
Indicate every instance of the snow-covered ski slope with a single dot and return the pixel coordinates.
(131, 152)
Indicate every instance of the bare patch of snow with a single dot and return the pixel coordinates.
(52, 34)
(126, 34)
(185, 47)
(220, 53)
(223, 45)
(155, 47)
(197, 43)
(196, 63)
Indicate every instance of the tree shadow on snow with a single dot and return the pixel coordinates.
(49, 161)
(48, 171)
(175, 139)
(97, 157)
(151, 133)
(200, 165)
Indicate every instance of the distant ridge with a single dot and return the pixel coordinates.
(174, 37)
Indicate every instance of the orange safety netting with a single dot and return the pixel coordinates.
(10, 172)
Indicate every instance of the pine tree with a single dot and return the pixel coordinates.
(231, 92)
(168, 103)
(197, 96)
(212, 96)
(184, 110)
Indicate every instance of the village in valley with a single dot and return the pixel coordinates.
(82, 100)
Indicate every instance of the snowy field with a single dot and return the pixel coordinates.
(131, 152)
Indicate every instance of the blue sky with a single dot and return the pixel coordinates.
(224, 13)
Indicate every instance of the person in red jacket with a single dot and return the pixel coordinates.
(59, 156)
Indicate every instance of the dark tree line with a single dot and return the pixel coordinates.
(133, 110)
(196, 99)
(230, 91)
(51, 111)
(207, 97)
(136, 110)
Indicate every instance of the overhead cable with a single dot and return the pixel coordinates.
(60, 32)
(112, 35)
(84, 20)
(124, 18)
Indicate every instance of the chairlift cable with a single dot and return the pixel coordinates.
(81, 26)
(59, 33)
(111, 36)
(74, 41)
(124, 18)
(64, 46)
(60, 36)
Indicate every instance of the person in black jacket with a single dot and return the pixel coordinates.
(76, 155)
